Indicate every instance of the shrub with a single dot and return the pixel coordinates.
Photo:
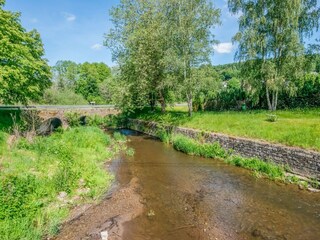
(63, 97)
(272, 117)
(119, 137)
(164, 135)
(96, 121)
(73, 119)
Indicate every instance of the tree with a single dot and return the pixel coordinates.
(139, 43)
(192, 31)
(24, 73)
(90, 76)
(207, 88)
(157, 43)
(270, 37)
(65, 74)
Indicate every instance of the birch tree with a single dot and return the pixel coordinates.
(193, 31)
(271, 42)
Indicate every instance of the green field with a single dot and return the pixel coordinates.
(299, 127)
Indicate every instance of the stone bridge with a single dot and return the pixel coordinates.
(59, 111)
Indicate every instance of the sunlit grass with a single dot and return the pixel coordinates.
(34, 174)
(298, 127)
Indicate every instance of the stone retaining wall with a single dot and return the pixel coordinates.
(301, 161)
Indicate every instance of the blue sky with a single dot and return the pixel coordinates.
(74, 29)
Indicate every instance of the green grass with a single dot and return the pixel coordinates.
(34, 174)
(193, 147)
(214, 150)
(298, 127)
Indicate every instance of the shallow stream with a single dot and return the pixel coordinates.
(188, 197)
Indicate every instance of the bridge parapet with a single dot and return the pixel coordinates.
(49, 111)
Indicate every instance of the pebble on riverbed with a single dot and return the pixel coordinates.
(104, 235)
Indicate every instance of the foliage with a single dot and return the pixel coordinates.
(158, 45)
(90, 76)
(65, 74)
(73, 119)
(76, 84)
(24, 73)
(193, 147)
(54, 96)
(271, 47)
(35, 173)
(272, 117)
(270, 169)
(7, 117)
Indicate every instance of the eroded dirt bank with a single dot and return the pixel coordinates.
(164, 194)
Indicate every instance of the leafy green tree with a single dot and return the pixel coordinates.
(24, 73)
(140, 44)
(270, 37)
(65, 74)
(157, 44)
(208, 87)
(191, 32)
(90, 76)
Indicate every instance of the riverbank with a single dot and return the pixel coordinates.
(296, 128)
(44, 177)
(167, 194)
(264, 158)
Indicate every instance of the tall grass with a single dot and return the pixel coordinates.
(193, 147)
(40, 180)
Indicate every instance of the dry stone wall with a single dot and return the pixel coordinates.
(301, 161)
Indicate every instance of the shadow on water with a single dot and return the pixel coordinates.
(188, 197)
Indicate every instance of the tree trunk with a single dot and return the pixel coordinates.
(189, 99)
(162, 102)
(268, 99)
(152, 101)
(272, 100)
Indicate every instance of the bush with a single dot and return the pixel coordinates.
(73, 119)
(63, 97)
(272, 118)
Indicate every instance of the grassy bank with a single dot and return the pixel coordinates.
(299, 128)
(42, 179)
(214, 150)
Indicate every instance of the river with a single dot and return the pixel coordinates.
(185, 197)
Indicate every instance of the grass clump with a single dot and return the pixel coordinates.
(42, 179)
(270, 169)
(193, 147)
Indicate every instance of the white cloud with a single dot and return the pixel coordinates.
(96, 46)
(226, 47)
(69, 16)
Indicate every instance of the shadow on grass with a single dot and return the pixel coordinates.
(7, 119)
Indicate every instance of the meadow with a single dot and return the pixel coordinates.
(298, 127)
